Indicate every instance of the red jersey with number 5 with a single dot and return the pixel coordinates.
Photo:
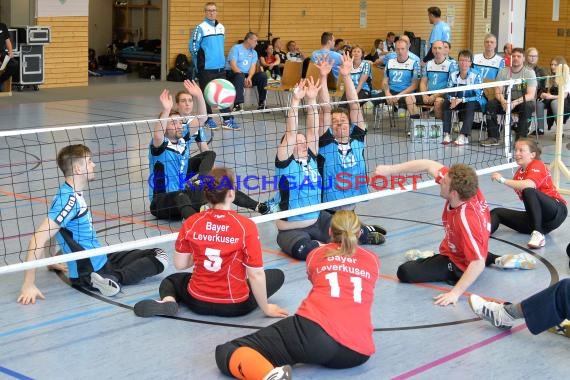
(342, 294)
(222, 243)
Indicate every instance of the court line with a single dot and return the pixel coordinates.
(14, 374)
(458, 353)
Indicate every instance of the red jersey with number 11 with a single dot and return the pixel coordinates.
(342, 294)
(222, 243)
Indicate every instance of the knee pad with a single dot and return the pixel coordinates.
(223, 354)
(302, 248)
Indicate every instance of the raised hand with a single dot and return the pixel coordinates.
(312, 88)
(192, 88)
(346, 66)
(324, 64)
(299, 90)
(166, 100)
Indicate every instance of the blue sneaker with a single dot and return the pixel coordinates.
(210, 123)
(231, 124)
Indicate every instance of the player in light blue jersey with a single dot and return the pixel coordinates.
(401, 77)
(69, 221)
(300, 183)
(435, 75)
(173, 193)
(489, 63)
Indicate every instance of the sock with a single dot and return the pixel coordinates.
(246, 363)
(514, 310)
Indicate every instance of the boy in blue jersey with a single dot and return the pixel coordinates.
(299, 180)
(207, 48)
(201, 163)
(342, 146)
(172, 194)
(465, 102)
(69, 220)
(241, 70)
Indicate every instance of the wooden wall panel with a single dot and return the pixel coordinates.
(542, 32)
(304, 21)
(66, 56)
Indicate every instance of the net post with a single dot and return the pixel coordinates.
(508, 152)
(558, 167)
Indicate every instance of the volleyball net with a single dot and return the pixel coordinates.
(118, 196)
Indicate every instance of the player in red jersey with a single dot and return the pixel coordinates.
(228, 277)
(545, 208)
(466, 219)
(332, 327)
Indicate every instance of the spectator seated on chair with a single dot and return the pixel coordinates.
(550, 96)
(522, 98)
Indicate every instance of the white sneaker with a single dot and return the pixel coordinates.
(536, 240)
(492, 312)
(415, 254)
(108, 287)
(461, 140)
(516, 261)
(279, 373)
(446, 139)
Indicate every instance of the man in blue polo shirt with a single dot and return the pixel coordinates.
(327, 45)
(440, 31)
(241, 70)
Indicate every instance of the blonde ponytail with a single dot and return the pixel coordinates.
(345, 229)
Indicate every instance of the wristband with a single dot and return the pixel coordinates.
(502, 180)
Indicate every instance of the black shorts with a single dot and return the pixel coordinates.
(293, 340)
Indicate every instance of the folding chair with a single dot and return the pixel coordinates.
(291, 76)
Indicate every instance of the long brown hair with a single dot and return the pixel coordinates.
(345, 229)
(217, 184)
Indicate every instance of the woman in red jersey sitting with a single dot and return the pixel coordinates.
(223, 246)
(545, 208)
(333, 325)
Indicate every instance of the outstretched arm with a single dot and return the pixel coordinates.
(356, 115)
(36, 250)
(415, 166)
(286, 146)
(160, 126)
(312, 134)
(256, 277)
(474, 269)
(325, 66)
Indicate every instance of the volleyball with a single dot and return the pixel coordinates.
(220, 93)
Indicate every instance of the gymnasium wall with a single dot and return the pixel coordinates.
(66, 56)
(304, 21)
(551, 38)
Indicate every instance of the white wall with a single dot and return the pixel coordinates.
(518, 23)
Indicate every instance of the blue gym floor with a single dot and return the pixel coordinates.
(78, 334)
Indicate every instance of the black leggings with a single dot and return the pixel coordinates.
(543, 214)
(434, 269)
(129, 267)
(176, 285)
(181, 204)
(202, 162)
(292, 340)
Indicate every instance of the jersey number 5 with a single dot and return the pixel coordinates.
(214, 262)
(335, 287)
